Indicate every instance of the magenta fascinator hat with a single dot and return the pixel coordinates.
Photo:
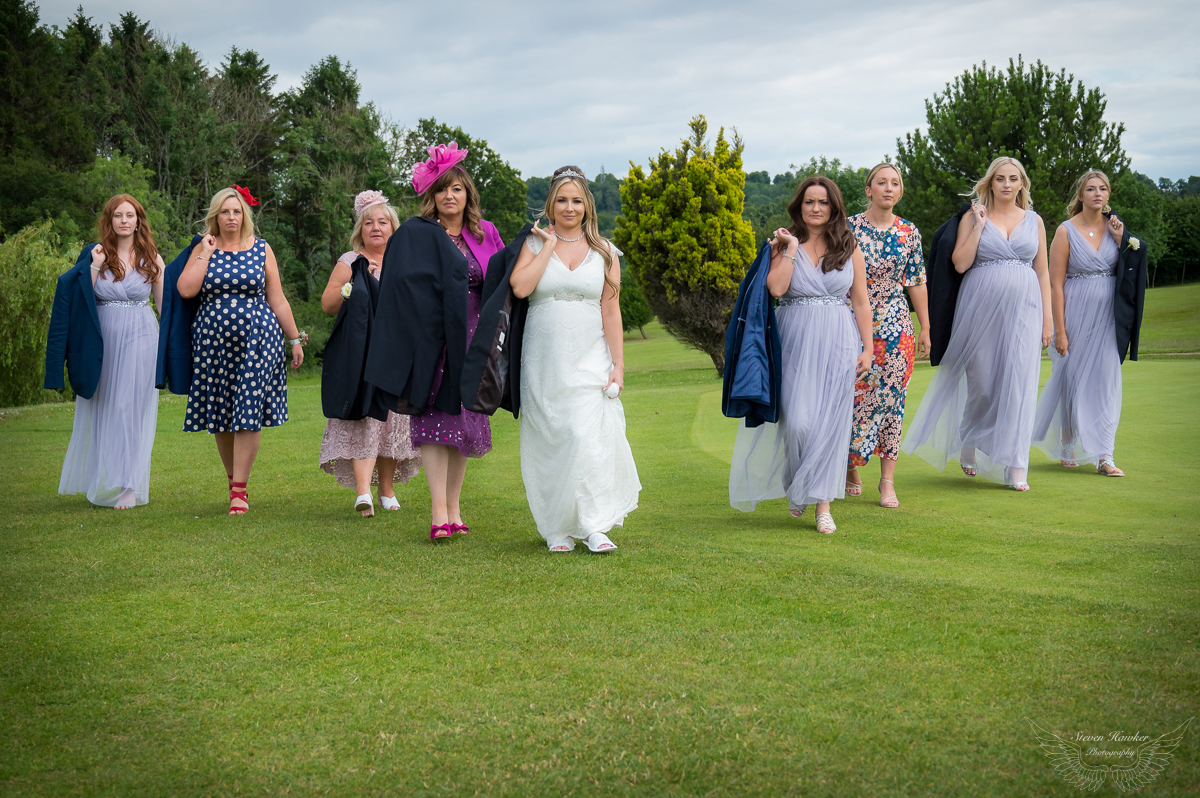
(442, 157)
(365, 199)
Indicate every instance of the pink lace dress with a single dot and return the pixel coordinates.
(345, 441)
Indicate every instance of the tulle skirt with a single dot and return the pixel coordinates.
(1080, 406)
(984, 393)
(803, 456)
(113, 434)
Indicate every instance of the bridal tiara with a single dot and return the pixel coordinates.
(569, 173)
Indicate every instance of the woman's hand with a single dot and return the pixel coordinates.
(1048, 333)
(1116, 227)
(546, 235)
(979, 211)
(98, 257)
(206, 247)
(1060, 343)
(863, 365)
(783, 241)
(617, 375)
(297, 355)
(923, 344)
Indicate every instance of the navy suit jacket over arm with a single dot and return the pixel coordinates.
(753, 352)
(1129, 296)
(944, 282)
(344, 392)
(422, 312)
(74, 334)
(174, 369)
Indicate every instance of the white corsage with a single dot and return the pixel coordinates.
(1134, 244)
(346, 289)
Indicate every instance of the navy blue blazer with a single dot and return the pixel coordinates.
(753, 351)
(74, 334)
(1129, 296)
(174, 370)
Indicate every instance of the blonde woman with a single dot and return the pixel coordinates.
(891, 249)
(1081, 404)
(981, 401)
(357, 449)
(239, 376)
(580, 478)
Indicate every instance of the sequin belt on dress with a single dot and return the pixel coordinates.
(122, 303)
(811, 300)
(1004, 262)
(564, 296)
(1091, 275)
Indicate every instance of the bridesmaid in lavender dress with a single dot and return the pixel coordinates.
(824, 347)
(366, 451)
(1080, 406)
(109, 455)
(982, 399)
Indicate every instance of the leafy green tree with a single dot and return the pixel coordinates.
(502, 192)
(1137, 200)
(635, 310)
(1180, 243)
(1048, 121)
(684, 238)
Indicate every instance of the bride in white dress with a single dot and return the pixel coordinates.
(579, 474)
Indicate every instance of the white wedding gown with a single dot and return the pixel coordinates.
(575, 460)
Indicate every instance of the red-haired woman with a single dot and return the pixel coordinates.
(107, 295)
(814, 264)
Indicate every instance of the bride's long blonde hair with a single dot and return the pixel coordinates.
(591, 228)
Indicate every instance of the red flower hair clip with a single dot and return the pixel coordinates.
(246, 195)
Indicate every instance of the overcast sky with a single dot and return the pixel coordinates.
(602, 83)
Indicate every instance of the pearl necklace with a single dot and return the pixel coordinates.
(568, 240)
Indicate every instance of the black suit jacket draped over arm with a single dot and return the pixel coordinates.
(421, 313)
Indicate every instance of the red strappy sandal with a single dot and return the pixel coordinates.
(237, 492)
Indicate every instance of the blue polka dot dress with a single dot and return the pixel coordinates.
(239, 372)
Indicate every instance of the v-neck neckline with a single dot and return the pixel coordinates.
(1008, 237)
(586, 255)
(1099, 243)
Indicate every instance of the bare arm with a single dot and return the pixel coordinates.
(862, 312)
(98, 262)
(528, 270)
(966, 245)
(281, 308)
(610, 314)
(191, 279)
(331, 297)
(783, 260)
(920, 302)
(156, 288)
(1043, 274)
(1060, 254)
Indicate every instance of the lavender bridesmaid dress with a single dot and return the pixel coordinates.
(1080, 406)
(803, 457)
(113, 433)
(984, 393)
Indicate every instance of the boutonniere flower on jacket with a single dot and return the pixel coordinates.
(1134, 244)
(346, 289)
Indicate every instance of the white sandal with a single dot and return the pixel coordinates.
(599, 543)
(825, 524)
(389, 503)
(365, 505)
(796, 510)
(1108, 461)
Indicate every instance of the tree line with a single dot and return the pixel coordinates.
(86, 113)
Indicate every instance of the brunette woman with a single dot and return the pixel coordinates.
(364, 452)
(891, 248)
(1080, 406)
(445, 439)
(814, 264)
(578, 469)
(116, 411)
(980, 403)
(239, 377)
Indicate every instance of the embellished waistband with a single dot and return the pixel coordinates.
(122, 303)
(787, 301)
(1090, 275)
(564, 296)
(1004, 262)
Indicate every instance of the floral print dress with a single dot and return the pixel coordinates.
(894, 262)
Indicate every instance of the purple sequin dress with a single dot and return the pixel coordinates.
(470, 433)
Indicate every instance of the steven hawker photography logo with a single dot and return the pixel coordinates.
(1131, 759)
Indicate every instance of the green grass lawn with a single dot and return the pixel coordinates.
(1172, 319)
(173, 650)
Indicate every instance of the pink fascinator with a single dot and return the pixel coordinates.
(442, 157)
(365, 199)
